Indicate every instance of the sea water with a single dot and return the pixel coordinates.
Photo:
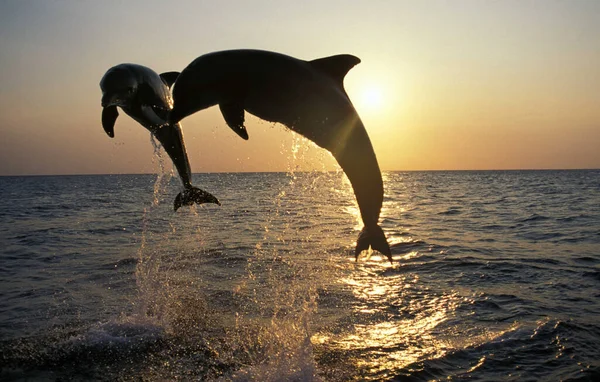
(496, 276)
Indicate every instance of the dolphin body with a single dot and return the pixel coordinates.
(144, 95)
(308, 97)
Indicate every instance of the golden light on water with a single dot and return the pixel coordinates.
(389, 345)
(351, 209)
(399, 322)
(355, 213)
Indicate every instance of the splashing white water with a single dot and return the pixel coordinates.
(269, 337)
(284, 292)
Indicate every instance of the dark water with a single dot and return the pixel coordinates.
(496, 277)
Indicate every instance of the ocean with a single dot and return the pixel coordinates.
(496, 277)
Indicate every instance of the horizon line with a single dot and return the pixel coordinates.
(309, 171)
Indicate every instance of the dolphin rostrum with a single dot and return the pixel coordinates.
(145, 96)
(308, 97)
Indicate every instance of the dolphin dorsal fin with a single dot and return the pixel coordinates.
(336, 66)
(169, 78)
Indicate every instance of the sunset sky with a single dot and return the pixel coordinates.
(443, 85)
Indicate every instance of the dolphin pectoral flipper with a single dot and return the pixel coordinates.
(151, 114)
(337, 66)
(194, 195)
(233, 113)
(375, 238)
(169, 78)
(109, 117)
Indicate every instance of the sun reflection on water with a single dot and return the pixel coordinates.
(406, 316)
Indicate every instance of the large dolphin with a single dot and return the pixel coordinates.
(145, 96)
(306, 96)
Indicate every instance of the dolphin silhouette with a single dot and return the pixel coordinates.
(144, 96)
(308, 97)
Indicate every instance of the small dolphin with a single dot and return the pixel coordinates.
(145, 97)
(308, 97)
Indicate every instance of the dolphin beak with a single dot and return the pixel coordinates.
(109, 116)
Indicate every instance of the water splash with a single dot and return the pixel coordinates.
(151, 281)
(274, 332)
(268, 334)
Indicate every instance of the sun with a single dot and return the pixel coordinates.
(370, 98)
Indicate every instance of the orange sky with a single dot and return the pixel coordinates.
(442, 85)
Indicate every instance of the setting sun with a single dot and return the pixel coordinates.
(371, 98)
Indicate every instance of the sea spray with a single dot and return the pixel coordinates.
(151, 294)
(167, 238)
(283, 287)
(266, 334)
(170, 299)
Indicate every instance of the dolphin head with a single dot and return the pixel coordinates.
(119, 87)
(191, 95)
(199, 86)
(183, 97)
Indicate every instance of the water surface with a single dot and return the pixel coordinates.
(496, 276)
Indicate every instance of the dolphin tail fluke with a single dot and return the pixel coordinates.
(375, 238)
(194, 195)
